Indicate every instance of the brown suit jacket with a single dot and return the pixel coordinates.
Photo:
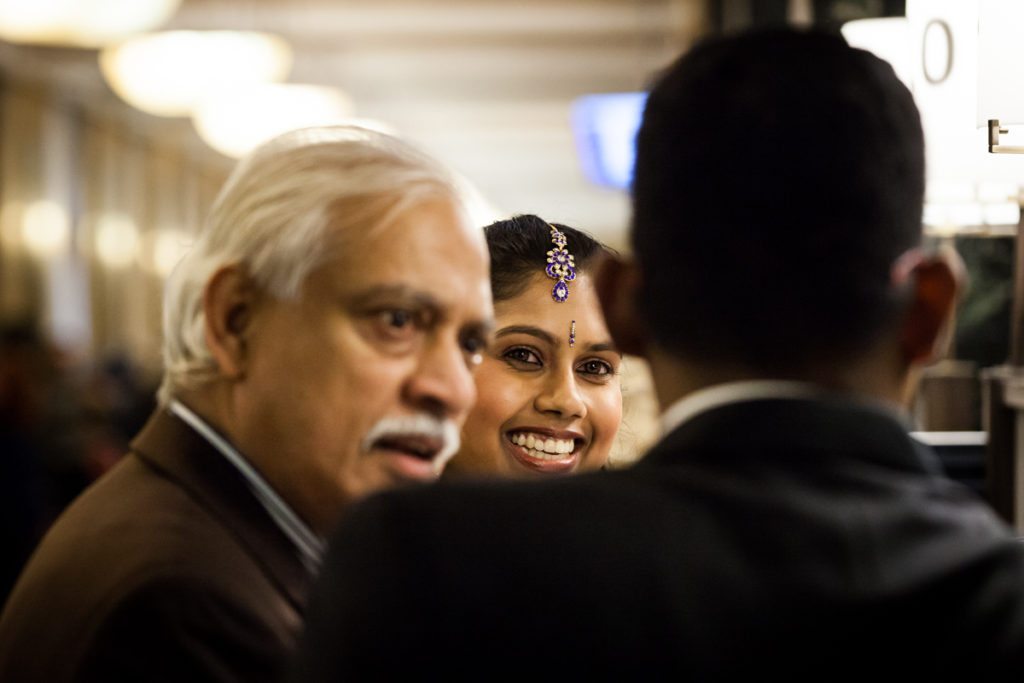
(168, 568)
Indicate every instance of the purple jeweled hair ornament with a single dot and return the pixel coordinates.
(572, 334)
(560, 266)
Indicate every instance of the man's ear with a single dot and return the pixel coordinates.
(936, 282)
(228, 302)
(618, 289)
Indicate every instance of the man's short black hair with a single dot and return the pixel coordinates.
(779, 174)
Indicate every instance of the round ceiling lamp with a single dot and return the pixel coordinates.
(80, 23)
(237, 121)
(170, 73)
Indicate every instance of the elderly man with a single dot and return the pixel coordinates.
(786, 527)
(320, 339)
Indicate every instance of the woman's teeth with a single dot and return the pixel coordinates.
(543, 447)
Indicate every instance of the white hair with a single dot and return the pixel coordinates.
(271, 217)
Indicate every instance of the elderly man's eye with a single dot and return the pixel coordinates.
(397, 319)
(474, 345)
(396, 324)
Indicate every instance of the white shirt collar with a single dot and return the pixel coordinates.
(309, 545)
(702, 400)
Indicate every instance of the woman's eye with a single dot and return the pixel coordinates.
(596, 367)
(521, 356)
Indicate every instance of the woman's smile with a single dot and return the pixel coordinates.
(546, 450)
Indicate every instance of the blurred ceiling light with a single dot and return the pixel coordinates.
(885, 37)
(45, 228)
(163, 248)
(117, 240)
(237, 121)
(82, 23)
(170, 73)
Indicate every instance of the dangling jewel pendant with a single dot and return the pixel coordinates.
(560, 266)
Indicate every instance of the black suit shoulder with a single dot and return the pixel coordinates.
(763, 540)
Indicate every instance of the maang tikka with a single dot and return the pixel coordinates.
(560, 266)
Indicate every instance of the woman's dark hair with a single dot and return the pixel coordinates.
(519, 247)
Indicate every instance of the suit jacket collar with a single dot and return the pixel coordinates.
(179, 453)
(793, 427)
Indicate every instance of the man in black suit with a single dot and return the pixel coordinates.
(786, 526)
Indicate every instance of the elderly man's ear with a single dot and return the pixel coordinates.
(618, 283)
(228, 304)
(937, 282)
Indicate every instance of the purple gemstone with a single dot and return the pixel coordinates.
(560, 292)
(570, 274)
(550, 270)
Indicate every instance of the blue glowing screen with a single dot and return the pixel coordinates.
(604, 127)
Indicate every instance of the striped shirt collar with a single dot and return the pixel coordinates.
(310, 546)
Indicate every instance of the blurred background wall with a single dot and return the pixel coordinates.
(98, 198)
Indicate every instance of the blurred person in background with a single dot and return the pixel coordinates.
(59, 432)
(549, 400)
(28, 371)
(117, 400)
(786, 527)
(319, 343)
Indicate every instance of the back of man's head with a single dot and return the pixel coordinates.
(779, 175)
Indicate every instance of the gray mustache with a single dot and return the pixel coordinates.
(420, 424)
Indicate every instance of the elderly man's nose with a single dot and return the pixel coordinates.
(442, 381)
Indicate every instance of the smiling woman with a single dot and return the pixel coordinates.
(548, 394)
